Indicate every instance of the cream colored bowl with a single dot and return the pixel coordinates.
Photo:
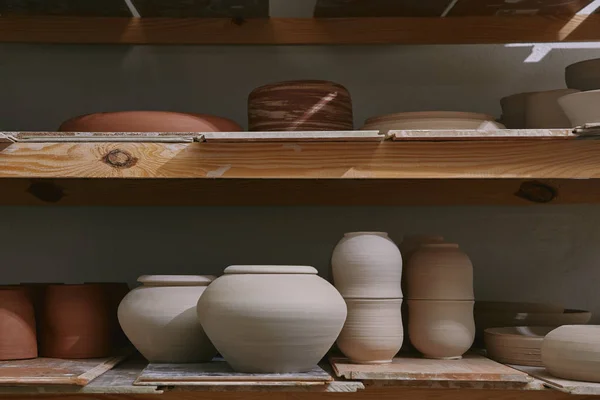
(432, 120)
(519, 345)
(582, 108)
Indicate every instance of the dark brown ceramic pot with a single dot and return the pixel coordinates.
(300, 106)
(17, 324)
(115, 291)
(76, 322)
(148, 121)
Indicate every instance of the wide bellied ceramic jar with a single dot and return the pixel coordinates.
(272, 319)
(159, 318)
(367, 265)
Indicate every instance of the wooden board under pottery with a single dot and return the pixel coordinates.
(564, 385)
(53, 371)
(471, 368)
(220, 373)
(380, 8)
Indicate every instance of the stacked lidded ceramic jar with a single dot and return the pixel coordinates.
(367, 271)
(439, 285)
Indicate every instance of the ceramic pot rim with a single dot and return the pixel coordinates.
(270, 269)
(298, 83)
(354, 300)
(362, 233)
(507, 332)
(176, 280)
(579, 94)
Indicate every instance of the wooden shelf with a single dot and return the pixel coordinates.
(418, 169)
(294, 31)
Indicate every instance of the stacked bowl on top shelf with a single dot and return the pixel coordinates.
(367, 271)
(440, 301)
(535, 110)
(583, 107)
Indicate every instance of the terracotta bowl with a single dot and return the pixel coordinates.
(17, 324)
(148, 121)
(582, 108)
(584, 75)
(519, 345)
(432, 120)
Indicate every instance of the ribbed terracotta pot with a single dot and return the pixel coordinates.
(37, 292)
(440, 271)
(159, 318)
(441, 329)
(148, 121)
(272, 319)
(17, 324)
(367, 265)
(76, 322)
(309, 105)
(373, 331)
(573, 352)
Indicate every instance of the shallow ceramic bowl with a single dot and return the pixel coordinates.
(584, 75)
(519, 345)
(517, 306)
(581, 108)
(432, 120)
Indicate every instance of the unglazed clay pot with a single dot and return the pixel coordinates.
(367, 265)
(17, 324)
(440, 271)
(573, 352)
(519, 345)
(514, 115)
(432, 120)
(148, 121)
(441, 329)
(373, 331)
(542, 110)
(76, 322)
(272, 319)
(584, 75)
(116, 291)
(582, 108)
(159, 318)
(300, 106)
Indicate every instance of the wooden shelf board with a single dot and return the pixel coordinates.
(294, 31)
(563, 385)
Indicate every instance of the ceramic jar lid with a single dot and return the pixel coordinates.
(176, 280)
(270, 269)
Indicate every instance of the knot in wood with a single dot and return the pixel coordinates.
(119, 159)
(537, 192)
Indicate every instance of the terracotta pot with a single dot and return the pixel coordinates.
(584, 75)
(17, 324)
(367, 265)
(542, 110)
(441, 329)
(373, 331)
(582, 108)
(76, 322)
(116, 292)
(148, 121)
(573, 352)
(432, 120)
(37, 293)
(518, 345)
(300, 106)
(272, 319)
(514, 115)
(440, 271)
(159, 318)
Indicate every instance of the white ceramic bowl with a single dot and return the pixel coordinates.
(432, 120)
(542, 110)
(519, 345)
(582, 108)
(584, 75)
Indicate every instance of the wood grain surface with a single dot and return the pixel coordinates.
(564, 385)
(456, 30)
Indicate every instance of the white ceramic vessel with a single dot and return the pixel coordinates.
(584, 75)
(373, 331)
(441, 329)
(367, 265)
(573, 352)
(582, 108)
(433, 120)
(440, 271)
(518, 345)
(272, 319)
(542, 110)
(159, 318)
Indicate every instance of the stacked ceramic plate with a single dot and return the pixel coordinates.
(431, 120)
(519, 345)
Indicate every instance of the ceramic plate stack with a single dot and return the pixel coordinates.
(518, 345)
(300, 106)
(367, 270)
(535, 110)
(440, 301)
(432, 120)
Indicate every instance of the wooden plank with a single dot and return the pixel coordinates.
(564, 385)
(476, 135)
(471, 368)
(5, 141)
(85, 8)
(293, 31)
(52, 371)
(202, 8)
(293, 136)
(218, 372)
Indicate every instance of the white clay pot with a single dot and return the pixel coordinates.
(582, 108)
(441, 329)
(373, 331)
(367, 265)
(573, 352)
(272, 319)
(439, 271)
(159, 318)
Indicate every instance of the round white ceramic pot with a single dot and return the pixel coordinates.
(441, 329)
(159, 318)
(582, 108)
(439, 271)
(573, 352)
(367, 265)
(373, 331)
(584, 75)
(272, 319)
